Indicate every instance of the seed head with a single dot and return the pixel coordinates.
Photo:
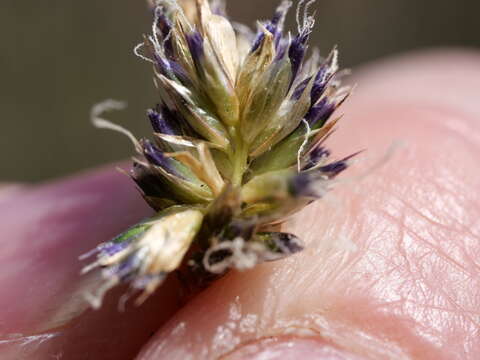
(237, 145)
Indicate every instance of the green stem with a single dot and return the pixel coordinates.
(239, 157)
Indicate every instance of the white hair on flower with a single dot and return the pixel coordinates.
(306, 21)
(136, 51)
(101, 123)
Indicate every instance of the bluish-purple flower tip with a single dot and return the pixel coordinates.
(275, 27)
(306, 183)
(112, 248)
(180, 73)
(296, 53)
(288, 243)
(319, 153)
(335, 168)
(147, 181)
(163, 66)
(301, 185)
(127, 269)
(195, 44)
(155, 120)
(298, 47)
(281, 50)
(315, 156)
(297, 94)
(257, 42)
(319, 113)
(163, 23)
(277, 37)
(165, 27)
(163, 121)
(171, 69)
(320, 84)
(155, 156)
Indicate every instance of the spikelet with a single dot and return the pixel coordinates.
(238, 145)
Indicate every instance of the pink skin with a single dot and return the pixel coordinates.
(46, 229)
(391, 270)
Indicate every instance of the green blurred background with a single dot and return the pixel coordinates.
(58, 58)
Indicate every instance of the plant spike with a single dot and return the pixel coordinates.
(238, 145)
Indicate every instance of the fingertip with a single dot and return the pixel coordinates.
(404, 98)
(401, 208)
(45, 229)
(7, 190)
(444, 78)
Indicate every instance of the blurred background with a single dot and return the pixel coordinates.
(58, 58)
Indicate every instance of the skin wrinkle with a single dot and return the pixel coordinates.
(410, 290)
(425, 218)
(431, 245)
(434, 224)
(311, 275)
(459, 253)
(442, 254)
(454, 306)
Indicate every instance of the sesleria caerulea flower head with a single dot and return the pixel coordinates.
(237, 144)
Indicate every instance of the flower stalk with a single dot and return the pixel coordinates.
(239, 159)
